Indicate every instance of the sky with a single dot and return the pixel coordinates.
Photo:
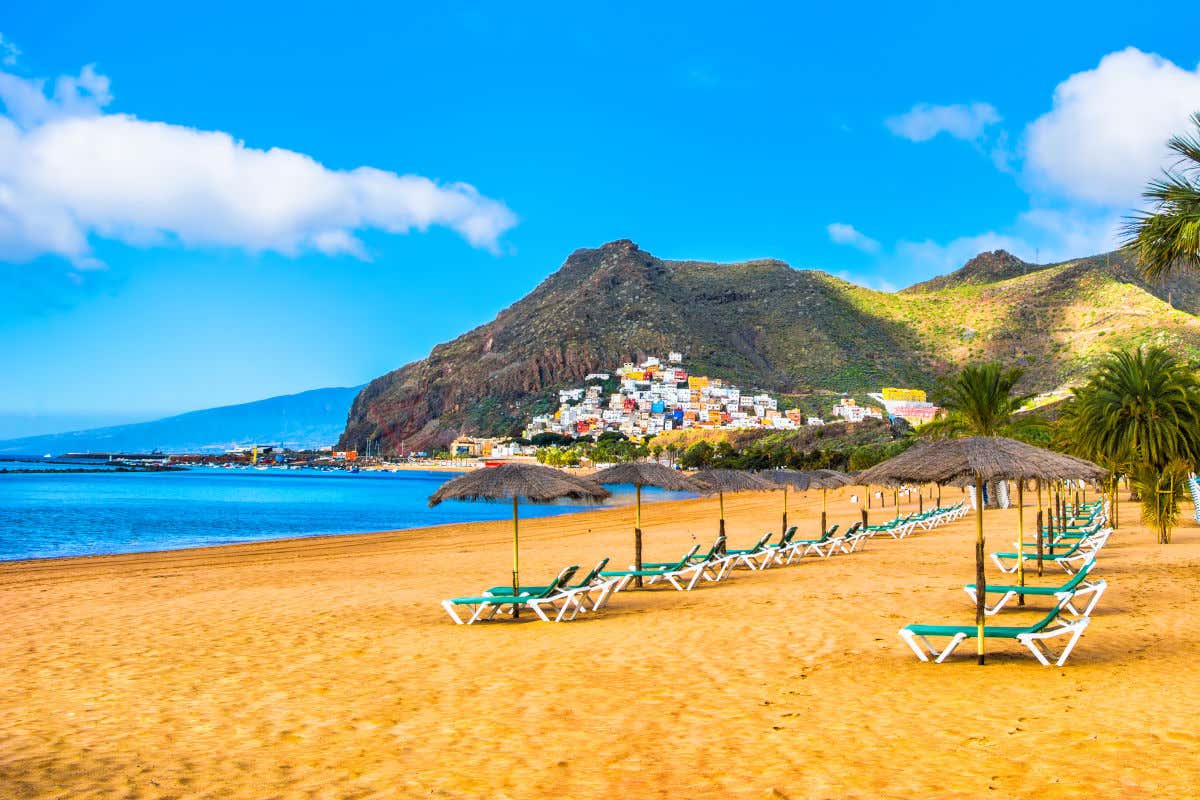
(211, 205)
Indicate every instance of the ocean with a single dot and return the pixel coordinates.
(53, 514)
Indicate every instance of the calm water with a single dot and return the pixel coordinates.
(50, 515)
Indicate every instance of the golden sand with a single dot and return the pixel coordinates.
(325, 668)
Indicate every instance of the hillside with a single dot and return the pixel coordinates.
(767, 325)
(308, 419)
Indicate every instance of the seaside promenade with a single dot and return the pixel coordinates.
(325, 668)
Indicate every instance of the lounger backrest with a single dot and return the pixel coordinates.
(1046, 620)
(853, 529)
(595, 573)
(563, 578)
(829, 533)
(683, 562)
(1078, 577)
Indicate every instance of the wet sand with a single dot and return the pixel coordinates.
(325, 668)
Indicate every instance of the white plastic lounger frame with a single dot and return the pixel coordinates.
(1036, 642)
(560, 604)
(1094, 590)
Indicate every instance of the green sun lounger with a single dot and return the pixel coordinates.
(591, 593)
(1034, 636)
(746, 556)
(551, 596)
(1078, 586)
(1082, 551)
(802, 547)
(669, 572)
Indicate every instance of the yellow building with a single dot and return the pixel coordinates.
(904, 395)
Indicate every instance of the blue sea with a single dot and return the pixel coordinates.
(52, 514)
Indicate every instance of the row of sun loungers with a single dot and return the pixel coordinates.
(1074, 600)
(564, 598)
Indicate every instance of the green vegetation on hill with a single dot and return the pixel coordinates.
(766, 325)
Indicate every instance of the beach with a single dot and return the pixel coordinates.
(325, 668)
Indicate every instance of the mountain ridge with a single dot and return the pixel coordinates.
(311, 418)
(767, 325)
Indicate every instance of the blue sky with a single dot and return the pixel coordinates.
(182, 224)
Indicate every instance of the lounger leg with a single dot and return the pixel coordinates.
(911, 640)
(449, 606)
(954, 642)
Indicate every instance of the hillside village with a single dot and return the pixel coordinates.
(654, 396)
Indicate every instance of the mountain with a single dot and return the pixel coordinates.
(309, 419)
(764, 324)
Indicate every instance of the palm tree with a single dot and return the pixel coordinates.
(981, 400)
(1140, 413)
(1168, 236)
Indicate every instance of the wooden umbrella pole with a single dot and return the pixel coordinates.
(783, 530)
(637, 533)
(1039, 528)
(721, 502)
(824, 506)
(980, 576)
(1021, 539)
(516, 610)
(896, 501)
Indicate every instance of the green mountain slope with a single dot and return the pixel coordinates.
(767, 325)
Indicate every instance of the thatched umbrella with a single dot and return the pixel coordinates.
(532, 483)
(731, 480)
(645, 473)
(977, 460)
(787, 478)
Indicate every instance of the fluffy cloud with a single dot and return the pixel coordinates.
(1039, 235)
(69, 171)
(841, 233)
(8, 52)
(1106, 133)
(925, 121)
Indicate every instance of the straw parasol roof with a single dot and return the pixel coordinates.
(986, 458)
(733, 480)
(533, 483)
(829, 479)
(648, 473)
(791, 478)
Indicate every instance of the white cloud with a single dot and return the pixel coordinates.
(1106, 134)
(69, 171)
(842, 233)
(1083, 163)
(1039, 235)
(925, 121)
(9, 53)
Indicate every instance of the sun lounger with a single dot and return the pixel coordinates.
(1034, 637)
(1075, 588)
(770, 552)
(550, 597)
(670, 572)
(802, 547)
(1082, 551)
(847, 542)
(591, 593)
(748, 557)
